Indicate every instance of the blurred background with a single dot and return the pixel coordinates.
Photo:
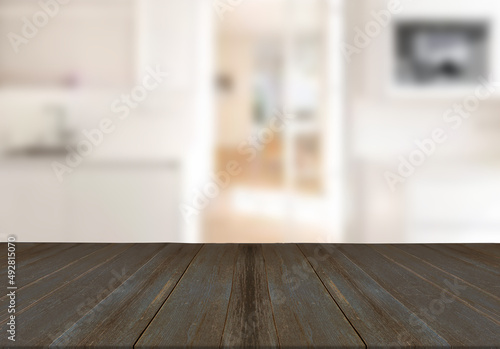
(249, 120)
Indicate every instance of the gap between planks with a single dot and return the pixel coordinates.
(166, 298)
(327, 290)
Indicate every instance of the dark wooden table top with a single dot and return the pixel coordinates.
(272, 295)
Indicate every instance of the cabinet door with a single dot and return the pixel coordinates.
(31, 204)
(123, 204)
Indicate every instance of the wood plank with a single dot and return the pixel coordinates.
(195, 313)
(41, 251)
(249, 320)
(75, 268)
(51, 316)
(380, 319)
(304, 312)
(122, 316)
(482, 278)
(25, 246)
(459, 324)
(483, 302)
(79, 295)
(45, 266)
(469, 255)
(34, 254)
(490, 250)
(21, 247)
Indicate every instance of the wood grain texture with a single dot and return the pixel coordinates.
(49, 264)
(305, 313)
(470, 294)
(469, 272)
(194, 314)
(472, 256)
(122, 316)
(75, 268)
(249, 320)
(41, 251)
(32, 255)
(49, 317)
(21, 247)
(276, 295)
(490, 250)
(459, 324)
(380, 319)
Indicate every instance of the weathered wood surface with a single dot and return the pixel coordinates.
(437, 304)
(468, 293)
(195, 313)
(51, 282)
(305, 313)
(470, 255)
(121, 317)
(250, 320)
(480, 277)
(275, 295)
(51, 315)
(380, 319)
(490, 250)
(33, 255)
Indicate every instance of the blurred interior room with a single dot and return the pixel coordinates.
(250, 121)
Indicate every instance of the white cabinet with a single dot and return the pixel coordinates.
(98, 202)
(31, 203)
(123, 203)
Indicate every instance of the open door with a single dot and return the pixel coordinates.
(275, 121)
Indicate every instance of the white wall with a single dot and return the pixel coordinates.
(384, 122)
(130, 187)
